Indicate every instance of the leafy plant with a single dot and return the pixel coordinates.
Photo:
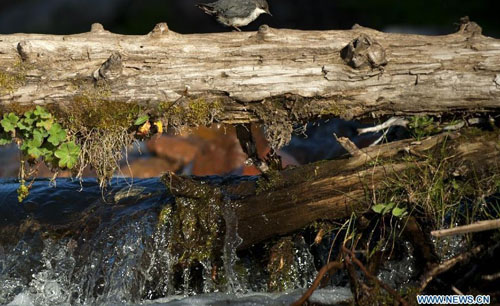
(422, 126)
(56, 134)
(141, 120)
(391, 207)
(39, 136)
(9, 122)
(68, 154)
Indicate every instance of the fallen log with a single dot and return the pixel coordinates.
(271, 75)
(295, 197)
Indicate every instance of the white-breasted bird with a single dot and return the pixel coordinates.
(236, 13)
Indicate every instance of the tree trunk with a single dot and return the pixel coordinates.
(289, 74)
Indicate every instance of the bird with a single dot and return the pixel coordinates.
(236, 13)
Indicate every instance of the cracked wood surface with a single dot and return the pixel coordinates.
(382, 73)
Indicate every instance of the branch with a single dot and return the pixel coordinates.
(447, 265)
(479, 226)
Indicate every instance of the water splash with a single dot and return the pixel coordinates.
(68, 248)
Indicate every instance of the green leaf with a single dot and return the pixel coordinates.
(399, 212)
(46, 124)
(67, 153)
(27, 123)
(383, 208)
(378, 208)
(42, 113)
(57, 134)
(141, 120)
(39, 135)
(9, 122)
(34, 152)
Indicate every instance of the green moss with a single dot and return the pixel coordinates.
(92, 108)
(197, 227)
(10, 82)
(272, 180)
(13, 78)
(190, 112)
(332, 109)
(165, 215)
(281, 267)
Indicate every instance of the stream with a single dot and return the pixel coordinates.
(72, 244)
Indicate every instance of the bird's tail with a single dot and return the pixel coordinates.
(207, 8)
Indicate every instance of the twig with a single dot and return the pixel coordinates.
(394, 121)
(394, 293)
(480, 226)
(491, 277)
(448, 264)
(331, 265)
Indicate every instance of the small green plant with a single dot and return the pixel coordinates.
(39, 136)
(390, 207)
(422, 126)
(141, 120)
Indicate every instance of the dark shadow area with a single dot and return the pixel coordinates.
(139, 17)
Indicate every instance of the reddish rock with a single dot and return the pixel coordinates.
(221, 153)
(148, 167)
(177, 149)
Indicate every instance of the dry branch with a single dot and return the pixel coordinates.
(345, 73)
(479, 226)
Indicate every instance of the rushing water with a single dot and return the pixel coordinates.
(75, 245)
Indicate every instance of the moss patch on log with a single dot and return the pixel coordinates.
(188, 111)
(12, 78)
(197, 222)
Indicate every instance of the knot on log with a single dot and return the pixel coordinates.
(111, 69)
(97, 28)
(265, 33)
(497, 80)
(364, 51)
(25, 50)
(469, 27)
(159, 30)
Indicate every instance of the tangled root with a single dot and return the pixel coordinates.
(103, 150)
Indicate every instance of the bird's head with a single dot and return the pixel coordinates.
(263, 5)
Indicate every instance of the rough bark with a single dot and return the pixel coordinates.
(335, 189)
(311, 73)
